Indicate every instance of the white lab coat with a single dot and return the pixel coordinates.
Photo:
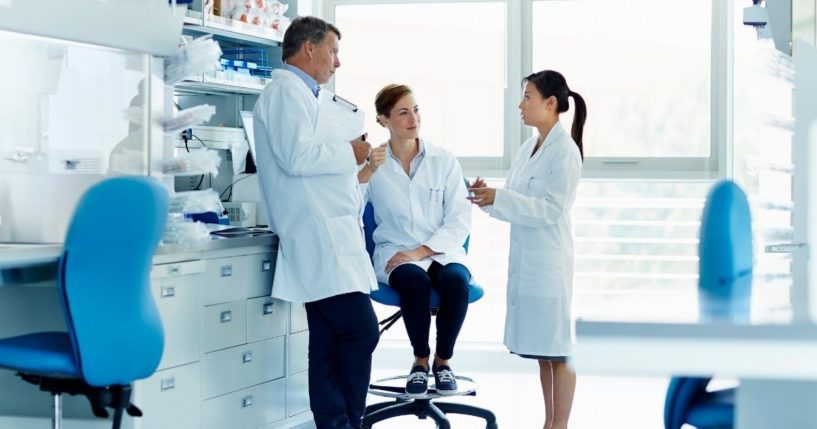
(431, 209)
(310, 190)
(538, 196)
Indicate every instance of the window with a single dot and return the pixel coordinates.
(644, 73)
(451, 54)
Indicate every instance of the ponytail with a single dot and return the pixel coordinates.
(551, 83)
(577, 131)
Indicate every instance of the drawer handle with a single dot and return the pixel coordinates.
(173, 269)
(226, 316)
(226, 271)
(168, 383)
(268, 307)
(266, 265)
(168, 292)
(246, 401)
(246, 357)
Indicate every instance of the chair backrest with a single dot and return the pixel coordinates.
(681, 394)
(725, 250)
(104, 280)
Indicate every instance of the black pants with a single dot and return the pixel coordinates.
(343, 333)
(414, 286)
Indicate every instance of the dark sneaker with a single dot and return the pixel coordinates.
(444, 381)
(417, 383)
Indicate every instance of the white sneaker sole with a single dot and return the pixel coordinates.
(448, 392)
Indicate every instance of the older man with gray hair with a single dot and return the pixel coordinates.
(310, 190)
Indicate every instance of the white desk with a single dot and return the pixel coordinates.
(28, 255)
(776, 364)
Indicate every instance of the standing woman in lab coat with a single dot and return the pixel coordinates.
(423, 218)
(536, 200)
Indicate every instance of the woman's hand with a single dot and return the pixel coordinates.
(479, 183)
(407, 256)
(377, 157)
(483, 196)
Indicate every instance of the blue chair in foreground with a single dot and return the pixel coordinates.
(114, 333)
(402, 406)
(724, 295)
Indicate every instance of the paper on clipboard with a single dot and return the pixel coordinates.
(338, 120)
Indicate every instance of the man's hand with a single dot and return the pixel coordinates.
(361, 149)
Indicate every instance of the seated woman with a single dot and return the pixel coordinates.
(423, 218)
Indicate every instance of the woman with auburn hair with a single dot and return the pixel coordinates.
(423, 219)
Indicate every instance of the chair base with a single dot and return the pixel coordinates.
(424, 408)
(115, 397)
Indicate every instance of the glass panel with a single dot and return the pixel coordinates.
(458, 84)
(643, 67)
(763, 131)
(70, 115)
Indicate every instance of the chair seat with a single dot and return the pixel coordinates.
(387, 296)
(713, 410)
(43, 353)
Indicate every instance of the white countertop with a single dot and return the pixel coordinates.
(725, 350)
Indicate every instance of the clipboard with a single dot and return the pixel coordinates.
(339, 120)
(344, 102)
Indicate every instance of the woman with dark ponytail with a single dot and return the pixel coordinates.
(536, 200)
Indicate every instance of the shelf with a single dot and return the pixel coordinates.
(216, 88)
(232, 33)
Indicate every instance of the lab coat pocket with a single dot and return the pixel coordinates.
(346, 235)
(536, 186)
(541, 273)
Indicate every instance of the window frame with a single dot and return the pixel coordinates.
(518, 61)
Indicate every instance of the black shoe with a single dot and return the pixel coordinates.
(444, 381)
(417, 383)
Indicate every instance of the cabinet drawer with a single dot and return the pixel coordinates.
(250, 408)
(298, 351)
(297, 393)
(176, 269)
(266, 318)
(259, 275)
(170, 398)
(224, 326)
(178, 299)
(243, 366)
(298, 316)
(226, 279)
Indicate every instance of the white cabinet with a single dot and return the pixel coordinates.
(234, 357)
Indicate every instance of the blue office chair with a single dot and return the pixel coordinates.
(422, 408)
(724, 294)
(114, 332)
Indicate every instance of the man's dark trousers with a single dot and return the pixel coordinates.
(343, 333)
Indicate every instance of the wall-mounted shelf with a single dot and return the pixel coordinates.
(217, 88)
(237, 31)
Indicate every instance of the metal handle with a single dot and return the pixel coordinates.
(268, 307)
(266, 266)
(226, 316)
(226, 271)
(246, 401)
(168, 291)
(168, 383)
(246, 357)
(784, 247)
(173, 269)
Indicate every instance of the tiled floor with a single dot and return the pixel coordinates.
(516, 400)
